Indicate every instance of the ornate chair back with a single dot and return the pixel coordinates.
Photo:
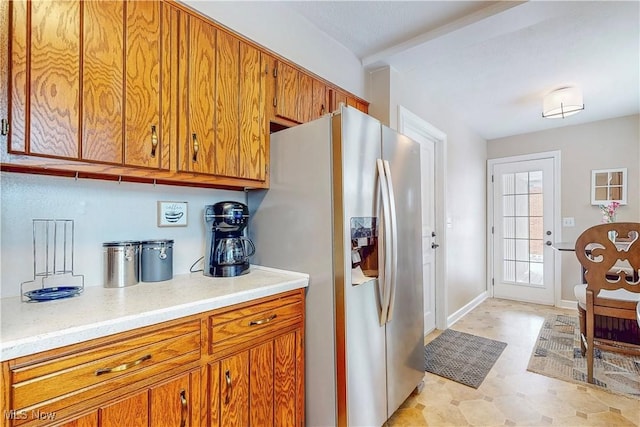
(610, 255)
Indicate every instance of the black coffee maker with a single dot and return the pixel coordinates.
(227, 252)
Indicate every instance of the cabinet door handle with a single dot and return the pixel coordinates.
(227, 397)
(183, 408)
(196, 148)
(124, 366)
(263, 321)
(5, 127)
(154, 141)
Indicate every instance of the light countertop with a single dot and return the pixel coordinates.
(29, 328)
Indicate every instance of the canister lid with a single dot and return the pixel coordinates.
(121, 243)
(157, 242)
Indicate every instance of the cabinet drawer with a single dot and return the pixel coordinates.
(244, 324)
(104, 368)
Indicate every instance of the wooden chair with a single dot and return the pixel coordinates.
(611, 292)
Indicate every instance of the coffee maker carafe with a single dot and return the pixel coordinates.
(227, 251)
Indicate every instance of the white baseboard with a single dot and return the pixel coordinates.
(467, 308)
(565, 303)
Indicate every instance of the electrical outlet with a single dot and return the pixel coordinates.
(568, 222)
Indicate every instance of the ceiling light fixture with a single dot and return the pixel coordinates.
(561, 103)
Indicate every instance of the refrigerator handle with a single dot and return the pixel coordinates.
(385, 278)
(394, 240)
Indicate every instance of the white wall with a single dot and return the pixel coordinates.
(102, 211)
(613, 143)
(289, 35)
(465, 183)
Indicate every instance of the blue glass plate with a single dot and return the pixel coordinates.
(58, 292)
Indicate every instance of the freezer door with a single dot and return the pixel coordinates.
(404, 330)
(291, 225)
(358, 146)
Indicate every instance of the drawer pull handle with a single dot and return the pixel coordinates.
(227, 398)
(263, 321)
(183, 408)
(123, 367)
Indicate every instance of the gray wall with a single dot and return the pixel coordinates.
(613, 143)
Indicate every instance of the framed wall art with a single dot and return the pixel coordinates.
(609, 185)
(172, 214)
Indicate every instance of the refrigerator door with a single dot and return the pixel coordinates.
(404, 330)
(358, 145)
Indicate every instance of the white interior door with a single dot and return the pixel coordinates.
(429, 237)
(427, 170)
(523, 224)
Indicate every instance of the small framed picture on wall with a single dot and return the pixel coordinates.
(172, 214)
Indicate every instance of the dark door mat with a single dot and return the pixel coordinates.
(462, 357)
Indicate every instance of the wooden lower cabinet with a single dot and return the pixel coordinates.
(240, 365)
(88, 420)
(261, 386)
(171, 403)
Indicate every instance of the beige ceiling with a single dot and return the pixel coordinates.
(492, 62)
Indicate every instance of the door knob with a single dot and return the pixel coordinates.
(434, 245)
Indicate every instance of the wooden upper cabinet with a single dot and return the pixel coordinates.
(227, 147)
(143, 89)
(305, 98)
(319, 106)
(147, 90)
(45, 89)
(92, 84)
(102, 81)
(299, 97)
(197, 58)
(287, 89)
(335, 98)
(254, 69)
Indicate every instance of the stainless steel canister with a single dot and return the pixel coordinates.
(156, 260)
(121, 263)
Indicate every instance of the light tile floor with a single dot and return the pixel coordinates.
(510, 395)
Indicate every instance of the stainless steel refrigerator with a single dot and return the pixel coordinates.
(344, 206)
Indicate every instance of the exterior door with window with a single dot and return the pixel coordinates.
(523, 265)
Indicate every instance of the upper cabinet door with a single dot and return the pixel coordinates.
(319, 107)
(45, 78)
(252, 111)
(197, 58)
(305, 98)
(227, 148)
(287, 89)
(102, 81)
(143, 90)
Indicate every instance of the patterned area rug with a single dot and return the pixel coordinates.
(557, 355)
(462, 357)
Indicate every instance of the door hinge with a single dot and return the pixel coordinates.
(492, 230)
(491, 178)
(493, 281)
(5, 127)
